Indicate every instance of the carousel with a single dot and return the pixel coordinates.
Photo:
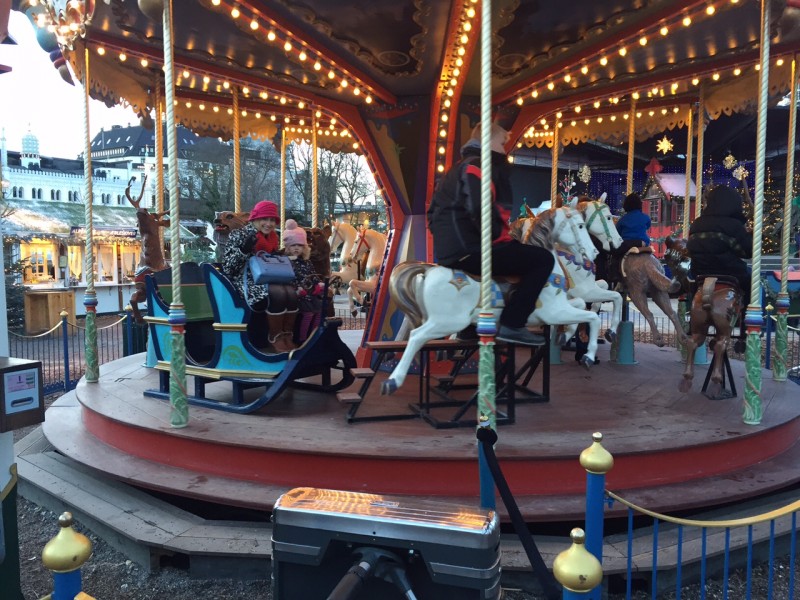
(404, 84)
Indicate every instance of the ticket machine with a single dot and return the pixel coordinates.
(21, 405)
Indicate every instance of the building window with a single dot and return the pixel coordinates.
(58, 195)
(52, 194)
(39, 195)
(654, 201)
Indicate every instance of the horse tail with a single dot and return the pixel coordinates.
(709, 284)
(402, 289)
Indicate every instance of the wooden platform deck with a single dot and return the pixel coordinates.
(672, 451)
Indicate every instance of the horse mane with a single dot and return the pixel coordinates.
(542, 229)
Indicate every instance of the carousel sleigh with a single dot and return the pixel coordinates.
(219, 345)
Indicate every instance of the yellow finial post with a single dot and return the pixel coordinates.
(576, 568)
(64, 555)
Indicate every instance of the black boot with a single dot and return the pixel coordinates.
(519, 335)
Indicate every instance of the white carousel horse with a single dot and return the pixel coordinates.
(440, 301)
(343, 235)
(580, 269)
(373, 244)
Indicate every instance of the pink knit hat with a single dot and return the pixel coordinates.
(292, 234)
(264, 210)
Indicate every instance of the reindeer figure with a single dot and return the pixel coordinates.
(152, 252)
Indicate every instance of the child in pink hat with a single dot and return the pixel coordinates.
(308, 282)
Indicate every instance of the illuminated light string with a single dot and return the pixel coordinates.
(449, 81)
(624, 47)
(296, 49)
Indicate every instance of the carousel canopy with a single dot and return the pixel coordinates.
(314, 62)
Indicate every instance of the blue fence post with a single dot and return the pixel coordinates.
(65, 339)
(129, 326)
(768, 352)
(64, 555)
(577, 570)
(597, 461)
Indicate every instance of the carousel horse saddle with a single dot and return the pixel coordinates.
(502, 279)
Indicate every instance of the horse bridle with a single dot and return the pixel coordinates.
(598, 210)
(574, 228)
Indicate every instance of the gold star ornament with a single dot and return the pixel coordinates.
(664, 145)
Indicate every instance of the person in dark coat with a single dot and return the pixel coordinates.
(454, 219)
(719, 240)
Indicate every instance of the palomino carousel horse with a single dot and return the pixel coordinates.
(643, 275)
(439, 301)
(343, 235)
(717, 302)
(373, 244)
(152, 254)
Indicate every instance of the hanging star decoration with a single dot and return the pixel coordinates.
(664, 145)
(585, 174)
(729, 161)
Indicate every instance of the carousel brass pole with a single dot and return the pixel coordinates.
(90, 297)
(698, 173)
(780, 363)
(631, 146)
(487, 325)
(314, 173)
(159, 158)
(687, 204)
(237, 176)
(179, 415)
(754, 320)
(555, 197)
(283, 177)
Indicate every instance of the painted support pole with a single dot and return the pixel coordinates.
(754, 320)
(65, 343)
(64, 555)
(314, 172)
(555, 197)
(487, 328)
(577, 570)
(780, 367)
(283, 178)
(237, 144)
(698, 174)
(631, 147)
(597, 461)
(687, 203)
(159, 157)
(179, 413)
(90, 296)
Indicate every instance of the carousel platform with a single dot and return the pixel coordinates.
(673, 452)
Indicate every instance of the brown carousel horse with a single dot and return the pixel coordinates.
(717, 302)
(643, 276)
(152, 254)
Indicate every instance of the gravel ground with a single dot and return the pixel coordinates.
(109, 575)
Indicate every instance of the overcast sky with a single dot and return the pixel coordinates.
(34, 97)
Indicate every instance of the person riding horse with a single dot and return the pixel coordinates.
(454, 220)
(632, 227)
(719, 239)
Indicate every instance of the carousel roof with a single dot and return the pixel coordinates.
(578, 68)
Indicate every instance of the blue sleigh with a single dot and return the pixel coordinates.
(219, 347)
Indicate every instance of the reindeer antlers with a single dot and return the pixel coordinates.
(136, 202)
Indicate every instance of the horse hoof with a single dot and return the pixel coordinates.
(587, 362)
(714, 389)
(685, 385)
(659, 343)
(739, 346)
(610, 336)
(561, 340)
(354, 312)
(388, 387)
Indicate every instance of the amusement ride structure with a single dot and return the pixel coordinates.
(402, 83)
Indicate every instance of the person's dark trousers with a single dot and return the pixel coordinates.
(531, 263)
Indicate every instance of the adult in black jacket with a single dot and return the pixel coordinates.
(454, 219)
(718, 239)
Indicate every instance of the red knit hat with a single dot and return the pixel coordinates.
(264, 210)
